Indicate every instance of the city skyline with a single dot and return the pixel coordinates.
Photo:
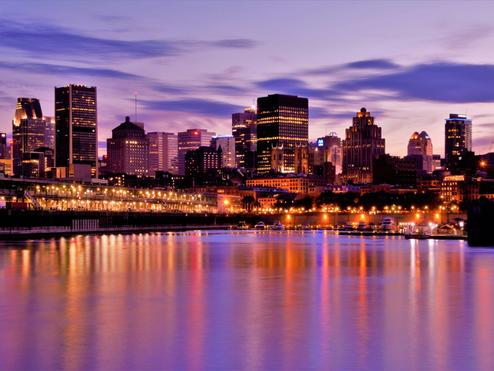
(198, 77)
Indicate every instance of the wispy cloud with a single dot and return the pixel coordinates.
(54, 69)
(56, 42)
(438, 81)
(193, 105)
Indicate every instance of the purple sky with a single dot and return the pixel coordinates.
(192, 64)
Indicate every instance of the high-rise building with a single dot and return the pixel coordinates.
(363, 144)
(282, 121)
(128, 150)
(28, 131)
(227, 144)
(328, 149)
(163, 152)
(190, 140)
(458, 140)
(49, 132)
(76, 127)
(420, 149)
(245, 132)
(3, 146)
(201, 160)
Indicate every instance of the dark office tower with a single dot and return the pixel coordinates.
(128, 150)
(202, 160)
(363, 144)
(3, 146)
(28, 131)
(458, 140)
(282, 121)
(244, 131)
(190, 140)
(76, 136)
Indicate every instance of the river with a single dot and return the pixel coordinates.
(245, 300)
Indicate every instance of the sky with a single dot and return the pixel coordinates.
(193, 64)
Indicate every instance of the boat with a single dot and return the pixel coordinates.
(277, 227)
(242, 225)
(260, 225)
(388, 224)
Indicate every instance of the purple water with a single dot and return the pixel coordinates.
(245, 301)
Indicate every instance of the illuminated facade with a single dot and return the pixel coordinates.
(228, 154)
(363, 144)
(163, 152)
(244, 131)
(458, 139)
(76, 134)
(420, 149)
(190, 140)
(295, 184)
(282, 121)
(128, 150)
(30, 131)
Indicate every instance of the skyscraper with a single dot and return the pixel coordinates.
(458, 139)
(244, 131)
(328, 149)
(227, 144)
(28, 131)
(190, 140)
(128, 149)
(363, 144)
(3, 146)
(163, 152)
(76, 127)
(282, 121)
(420, 149)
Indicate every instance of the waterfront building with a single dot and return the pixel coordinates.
(189, 140)
(202, 160)
(163, 152)
(282, 122)
(227, 144)
(290, 183)
(458, 140)
(29, 131)
(128, 150)
(76, 138)
(420, 149)
(244, 131)
(363, 143)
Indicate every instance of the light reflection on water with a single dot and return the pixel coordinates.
(245, 300)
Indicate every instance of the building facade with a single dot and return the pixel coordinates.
(189, 140)
(283, 122)
(363, 143)
(244, 131)
(76, 137)
(420, 149)
(327, 149)
(227, 144)
(163, 152)
(30, 131)
(128, 150)
(458, 140)
(3, 146)
(202, 160)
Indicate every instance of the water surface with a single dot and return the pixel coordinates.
(245, 301)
